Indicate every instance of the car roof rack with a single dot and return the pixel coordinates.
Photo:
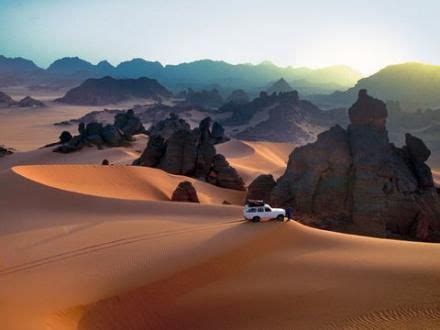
(254, 203)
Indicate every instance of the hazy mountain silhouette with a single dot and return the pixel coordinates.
(280, 86)
(414, 85)
(202, 74)
(109, 90)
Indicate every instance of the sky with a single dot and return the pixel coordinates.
(366, 35)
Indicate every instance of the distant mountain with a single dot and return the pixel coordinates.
(109, 90)
(17, 71)
(137, 68)
(280, 86)
(203, 74)
(413, 85)
(6, 100)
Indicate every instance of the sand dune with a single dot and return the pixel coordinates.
(70, 260)
(254, 158)
(123, 182)
(84, 246)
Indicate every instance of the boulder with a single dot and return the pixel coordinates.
(111, 135)
(185, 192)
(65, 137)
(261, 187)
(223, 175)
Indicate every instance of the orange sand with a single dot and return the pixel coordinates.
(96, 247)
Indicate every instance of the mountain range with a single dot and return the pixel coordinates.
(414, 85)
(203, 74)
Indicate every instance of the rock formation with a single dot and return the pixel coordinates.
(109, 90)
(175, 148)
(224, 175)
(5, 151)
(29, 102)
(121, 132)
(238, 96)
(203, 98)
(185, 192)
(355, 180)
(280, 86)
(282, 117)
(261, 187)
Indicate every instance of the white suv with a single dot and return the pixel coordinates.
(257, 211)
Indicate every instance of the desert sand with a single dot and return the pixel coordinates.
(84, 246)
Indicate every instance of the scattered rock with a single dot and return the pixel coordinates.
(105, 162)
(95, 134)
(185, 192)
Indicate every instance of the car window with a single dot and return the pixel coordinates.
(266, 209)
(252, 210)
(260, 209)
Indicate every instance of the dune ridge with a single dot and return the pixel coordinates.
(254, 158)
(101, 247)
(123, 182)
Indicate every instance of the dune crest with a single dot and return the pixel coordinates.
(123, 182)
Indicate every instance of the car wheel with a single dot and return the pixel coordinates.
(256, 219)
(280, 218)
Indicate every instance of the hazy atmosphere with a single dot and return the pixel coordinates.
(189, 164)
(366, 35)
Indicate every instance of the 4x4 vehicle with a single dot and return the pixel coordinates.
(257, 211)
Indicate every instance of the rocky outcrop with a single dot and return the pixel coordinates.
(109, 90)
(261, 187)
(204, 98)
(5, 151)
(282, 117)
(168, 126)
(96, 134)
(175, 148)
(280, 86)
(29, 102)
(238, 96)
(224, 175)
(355, 180)
(185, 192)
